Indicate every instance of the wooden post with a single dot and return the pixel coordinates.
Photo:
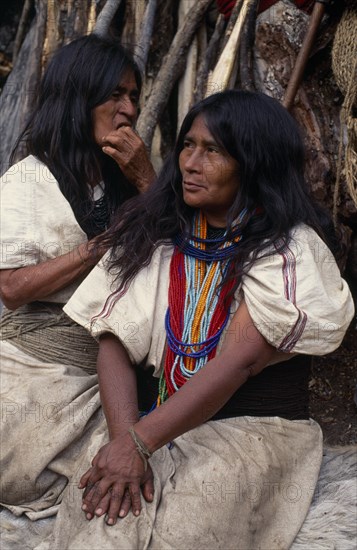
(303, 55)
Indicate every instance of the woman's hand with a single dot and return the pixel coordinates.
(129, 152)
(114, 482)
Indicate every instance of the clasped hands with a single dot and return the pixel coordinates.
(116, 480)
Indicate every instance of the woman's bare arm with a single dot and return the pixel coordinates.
(117, 384)
(118, 391)
(35, 282)
(244, 353)
(118, 466)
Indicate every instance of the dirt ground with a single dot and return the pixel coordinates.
(333, 391)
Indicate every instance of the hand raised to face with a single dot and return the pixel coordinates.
(128, 150)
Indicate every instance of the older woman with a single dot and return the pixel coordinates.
(231, 286)
(85, 160)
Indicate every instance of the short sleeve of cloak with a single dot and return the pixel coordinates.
(136, 316)
(297, 299)
(37, 223)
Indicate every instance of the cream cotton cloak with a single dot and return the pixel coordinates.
(239, 483)
(48, 409)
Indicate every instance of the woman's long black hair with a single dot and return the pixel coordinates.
(264, 138)
(80, 76)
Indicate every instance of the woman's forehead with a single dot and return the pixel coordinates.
(128, 81)
(199, 128)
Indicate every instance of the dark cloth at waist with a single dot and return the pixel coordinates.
(279, 390)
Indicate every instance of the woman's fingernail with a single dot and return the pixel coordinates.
(84, 507)
(137, 512)
(99, 511)
(122, 513)
(89, 516)
(110, 521)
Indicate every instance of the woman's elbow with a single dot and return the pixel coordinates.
(9, 294)
(9, 302)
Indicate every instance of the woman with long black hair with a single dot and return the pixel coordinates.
(220, 278)
(84, 161)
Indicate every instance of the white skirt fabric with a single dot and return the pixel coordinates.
(241, 483)
(49, 412)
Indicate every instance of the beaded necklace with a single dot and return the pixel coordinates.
(199, 305)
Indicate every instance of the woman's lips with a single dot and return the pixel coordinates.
(191, 186)
(122, 124)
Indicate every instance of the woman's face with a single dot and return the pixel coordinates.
(209, 174)
(119, 110)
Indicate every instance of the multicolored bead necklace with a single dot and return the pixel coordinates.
(199, 305)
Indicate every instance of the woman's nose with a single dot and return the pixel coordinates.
(128, 108)
(193, 161)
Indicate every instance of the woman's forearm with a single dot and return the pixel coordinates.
(117, 384)
(208, 390)
(35, 282)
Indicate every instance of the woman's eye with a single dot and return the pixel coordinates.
(187, 144)
(213, 149)
(116, 94)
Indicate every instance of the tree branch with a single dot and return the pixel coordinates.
(246, 48)
(142, 48)
(171, 69)
(105, 17)
(21, 29)
(221, 76)
(202, 73)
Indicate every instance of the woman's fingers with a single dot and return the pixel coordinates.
(121, 502)
(116, 467)
(148, 489)
(134, 491)
(84, 479)
(125, 504)
(91, 475)
(93, 495)
(115, 503)
(117, 495)
(103, 505)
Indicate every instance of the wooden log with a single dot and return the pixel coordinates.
(105, 17)
(133, 18)
(77, 21)
(170, 71)
(21, 29)
(20, 90)
(246, 78)
(223, 74)
(204, 66)
(143, 44)
(92, 18)
(305, 50)
(52, 39)
(187, 81)
(139, 14)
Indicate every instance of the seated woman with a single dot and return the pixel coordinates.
(231, 286)
(85, 160)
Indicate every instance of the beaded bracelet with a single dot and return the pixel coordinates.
(140, 447)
